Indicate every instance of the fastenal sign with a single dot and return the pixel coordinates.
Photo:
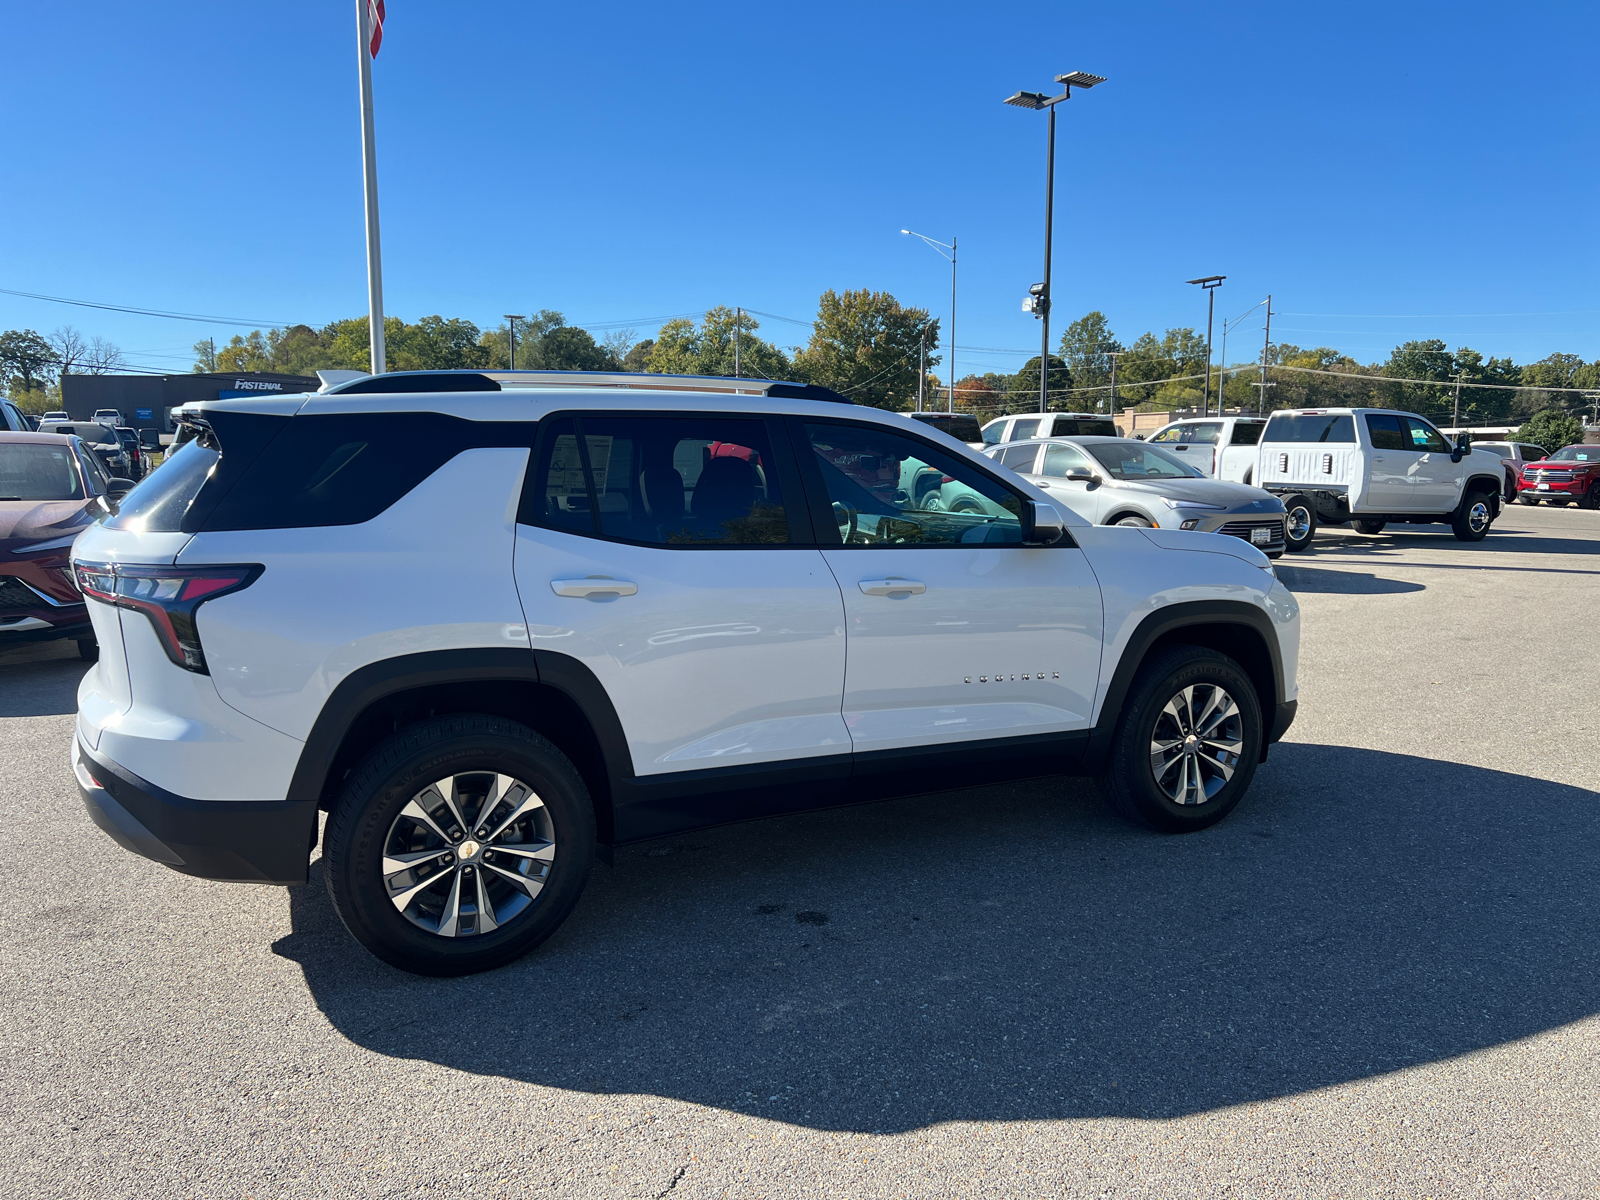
(256, 385)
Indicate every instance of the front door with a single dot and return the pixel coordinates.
(1388, 471)
(670, 556)
(1435, 479)
(1082, 496)
(955, 630)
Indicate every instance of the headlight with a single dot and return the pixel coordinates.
(1193, 505)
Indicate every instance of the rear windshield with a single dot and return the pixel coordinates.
(38, 472)
(99, 434)
(962, 428)
(1309, 427)
(1074, 427)
(157, 505)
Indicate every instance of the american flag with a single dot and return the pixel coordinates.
(375, 16)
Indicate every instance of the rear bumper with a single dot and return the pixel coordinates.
(238, 841)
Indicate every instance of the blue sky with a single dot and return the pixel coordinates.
(1387, 171)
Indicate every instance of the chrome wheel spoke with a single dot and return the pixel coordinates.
(1196, 744)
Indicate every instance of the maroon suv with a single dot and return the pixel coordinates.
(51, 488)
(1570, 474)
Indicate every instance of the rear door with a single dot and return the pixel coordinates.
(1237, 460)
(672, 555)
(1389, 478)
(956, 631)
(1196, 445)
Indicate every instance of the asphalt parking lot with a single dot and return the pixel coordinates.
(1380, 976)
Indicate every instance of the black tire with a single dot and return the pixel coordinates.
(1129, 781)
(1299, 523)
(363, 824)
(1592, 500)
(1529, 499)
(1132, 522)
(1364, 526)
(88, 650)
(1473, 518)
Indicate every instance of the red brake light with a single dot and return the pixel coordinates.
(169, 596)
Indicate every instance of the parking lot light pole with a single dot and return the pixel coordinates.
(1210, 283)
(1038, 302)
(940, 248)
(513, 318)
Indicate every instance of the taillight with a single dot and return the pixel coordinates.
(169, 596)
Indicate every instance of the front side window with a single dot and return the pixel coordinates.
(1140, 460)
(664, 481)
(38, 472)
(1425, 437)
(994, 432)
(1386, 432)
(1173, 433)
(889, 490)
(1061, 461)
(1019, 458)
(1204, 434)
(92, 470)
(1532, 453)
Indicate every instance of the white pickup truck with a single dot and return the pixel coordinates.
(1221, 447)
(1371, 467)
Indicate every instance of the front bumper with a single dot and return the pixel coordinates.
(17, 627)
(238, 841)
(1576, 490)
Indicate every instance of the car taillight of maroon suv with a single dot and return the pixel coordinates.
(1571, 474)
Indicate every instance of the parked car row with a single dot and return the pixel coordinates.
(119, 448)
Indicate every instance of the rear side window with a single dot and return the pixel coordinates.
(682, 481)
(1310, 427)
(160, 501)
(1019, 458)
(1386, 432)
(1532, 453)
(1247, 433)
(346, 468)
(1023, 429)
(1204, 434)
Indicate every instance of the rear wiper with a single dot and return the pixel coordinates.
(10, 497)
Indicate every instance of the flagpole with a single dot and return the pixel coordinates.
(369, 162)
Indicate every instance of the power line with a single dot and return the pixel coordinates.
(146, 312)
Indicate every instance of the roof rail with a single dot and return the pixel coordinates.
(497, 381)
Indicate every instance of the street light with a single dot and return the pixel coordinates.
(939, 248)
(1210, 283)
(1039, 293)
(513, 318)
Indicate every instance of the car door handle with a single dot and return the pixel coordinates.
(888, 587)
(595, 585)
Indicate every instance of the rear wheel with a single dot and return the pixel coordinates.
(459, 845)
(1364, 526)
(1472, 520)
(1300, 523)
(1188, 742)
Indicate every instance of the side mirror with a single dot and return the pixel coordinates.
(1082, 477)
(116, 488)
(1042, 524)
(1463, 448)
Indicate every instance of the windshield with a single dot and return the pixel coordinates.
(1503, 449)
(1309, 427)
(38, 473)
(1136, 460)
(1576, 454)
(963, 429)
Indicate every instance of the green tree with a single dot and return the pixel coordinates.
(865, 345)
(639, 357)
(1551, 429)
(1025, 387)
(248, 353)
(27, 360)
(568, 348)
(684, 348)
(1087, 346)
(1152, 360)
(1424, 359)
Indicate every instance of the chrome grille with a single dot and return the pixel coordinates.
(1241, 529)
(1543, 476)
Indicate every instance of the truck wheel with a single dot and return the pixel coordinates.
(1592, 500)
(459, 844)
(1187, 744)
(1364, 526)
(1472, 520)
(1300, 523)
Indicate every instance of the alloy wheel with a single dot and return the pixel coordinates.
(469, 854)
(1194, 748)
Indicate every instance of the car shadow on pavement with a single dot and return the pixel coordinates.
(40, 680)
(1344, 583)
(1011, 953)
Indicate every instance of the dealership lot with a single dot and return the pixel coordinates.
(1379, 976)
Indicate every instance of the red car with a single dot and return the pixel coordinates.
(51, 488)
(1571, 474)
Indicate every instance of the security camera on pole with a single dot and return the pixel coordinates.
(1038, 302)
(369, 36)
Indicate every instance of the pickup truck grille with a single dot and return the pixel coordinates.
(1241, 529)
(1543, 476)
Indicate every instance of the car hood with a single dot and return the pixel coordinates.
(1234, 496)
(1560, 464)
(23, 522)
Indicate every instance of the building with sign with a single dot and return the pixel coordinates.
(146, 401)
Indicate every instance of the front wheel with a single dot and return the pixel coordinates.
(459, 845)
(1132, 522)
(1592, 500)
(1364, 526)
(1300, 523)
(1472, 520)
(1188, 742)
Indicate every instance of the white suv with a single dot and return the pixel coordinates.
(495, 624)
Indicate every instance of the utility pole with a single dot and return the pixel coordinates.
(1113, 355)
(1266, 349)
(1455, 416)
(367, 41)
(1210, 283)
(952, 404)
(738, 316)
(513, 318)
(922, 367)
